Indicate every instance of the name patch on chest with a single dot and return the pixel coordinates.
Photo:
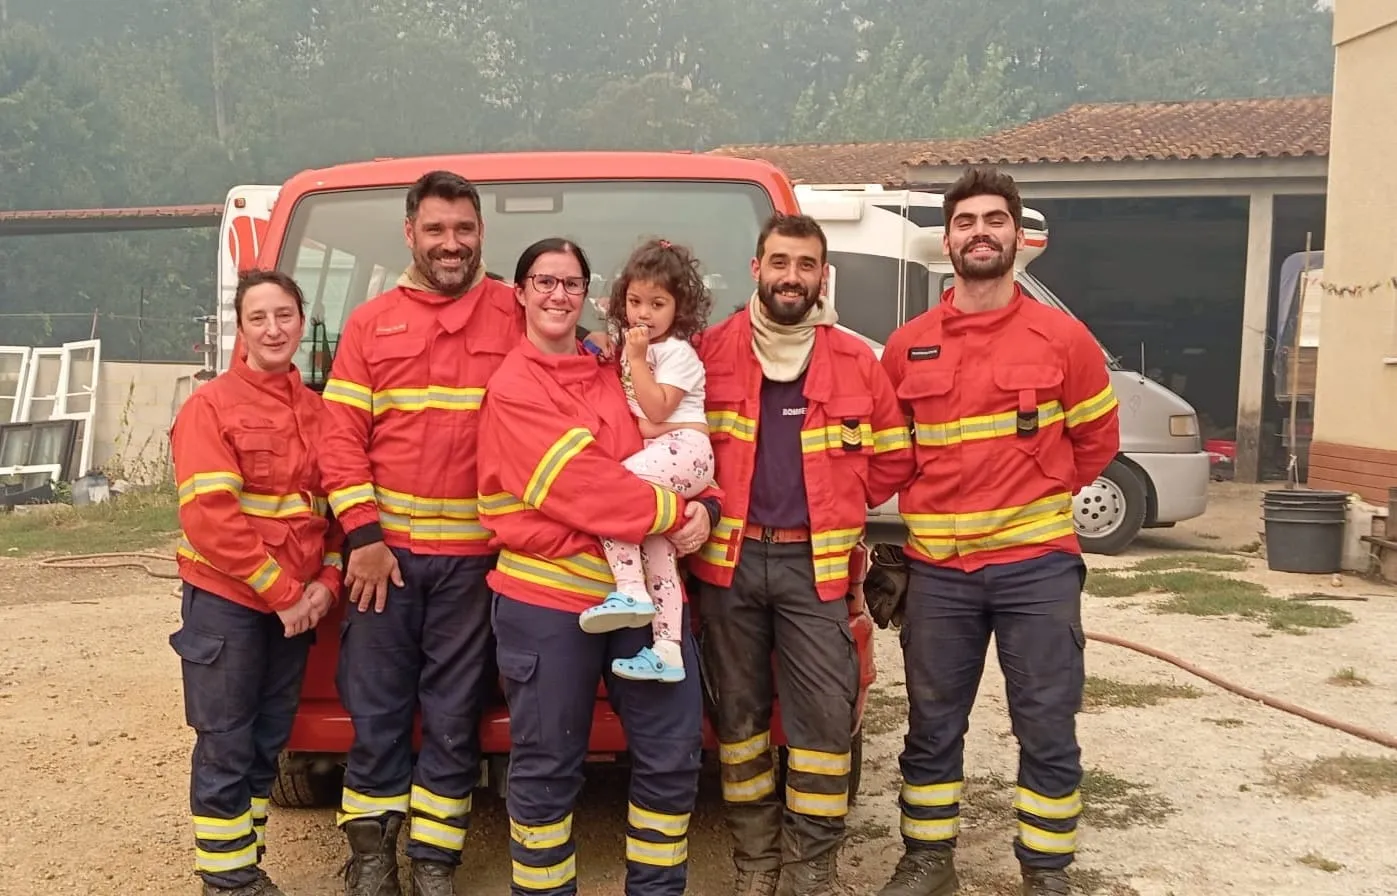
(390, 329)
(924, 353)
(793, 412)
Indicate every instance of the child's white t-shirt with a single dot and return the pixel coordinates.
(674, 363)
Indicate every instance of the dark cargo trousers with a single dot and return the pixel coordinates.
(1034, 609)
(430, 649)
(550, 669)
(242, 684)
(771, 607)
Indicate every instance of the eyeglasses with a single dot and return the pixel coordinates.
(576, 286)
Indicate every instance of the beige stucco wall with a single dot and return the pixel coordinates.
(136, 403)
(1356, 391)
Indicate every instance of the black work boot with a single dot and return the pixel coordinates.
(924, 871)
(372, 869)
(262, 886)
(756, 883)
(815, 877)
(1045, 882)
(432, 878)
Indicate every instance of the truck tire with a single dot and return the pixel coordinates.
(1108, 513)
(303, 784)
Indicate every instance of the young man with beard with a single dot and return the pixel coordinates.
(399, 460)
(1012, 413)
(807, 435)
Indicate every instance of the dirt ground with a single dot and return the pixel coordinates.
(1190, 789)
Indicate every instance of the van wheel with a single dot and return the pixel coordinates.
(1108, 513)
(302, 783)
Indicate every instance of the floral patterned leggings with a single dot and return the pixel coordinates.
(681, 461)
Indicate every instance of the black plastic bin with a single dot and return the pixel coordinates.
(1304, 530)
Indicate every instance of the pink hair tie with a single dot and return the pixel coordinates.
(666, 244)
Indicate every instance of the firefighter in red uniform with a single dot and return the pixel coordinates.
(1013, 413)
(261, 565)
(554, 430)
(399, 458)
(807, 436)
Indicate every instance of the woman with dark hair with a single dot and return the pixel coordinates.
(555, 427)
(261, 566)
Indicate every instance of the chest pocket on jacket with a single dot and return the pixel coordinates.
(1032, 394)
(928, 394)
(724, 401)
(848, 428)
(258, 446)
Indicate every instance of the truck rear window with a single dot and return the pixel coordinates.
(347, 246)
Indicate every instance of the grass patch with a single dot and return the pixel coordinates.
(1206, 562)
(1348, 678)
(1196, 592)
(135, 521)
(1103, 692)
(1226, 723)
(1109, 801)
(885, 711)
(1315, 860)
(1368, 775)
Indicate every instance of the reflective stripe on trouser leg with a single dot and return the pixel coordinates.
(228, 654)
(550, 669)
(380, 663)
(260, 807)
(817, 683)
(944, 638)
(457, 645)
(1038, 633)
(738, 638)
(664, 731)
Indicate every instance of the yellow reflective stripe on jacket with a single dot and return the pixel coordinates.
(280, 506)
(989, 426)
(439, 398)
(1093, 408)
(341, 499)
(1039, 531)
(348, 393)
(833, 437)
(732, 423)
(896, 439)
(666, 509)
(261, 580)
(334, 559)
(985, 522)
(720, 539)
(569, 445)
(499, 504)
(579, 574)
(208, 483)
(429, 519)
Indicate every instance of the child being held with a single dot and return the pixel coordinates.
(657, 305)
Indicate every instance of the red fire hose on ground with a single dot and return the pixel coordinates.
(1377, 737)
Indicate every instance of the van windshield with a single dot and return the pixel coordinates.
(345, 247)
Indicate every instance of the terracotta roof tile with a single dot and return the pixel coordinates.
(1287, 127)
(835, 163)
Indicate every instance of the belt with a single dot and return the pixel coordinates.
(774, 535)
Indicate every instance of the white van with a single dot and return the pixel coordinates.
(887, 244)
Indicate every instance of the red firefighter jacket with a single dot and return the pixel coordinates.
(404, 397)
(251, 504)
(1013, 413)
(855, 448)
(553, 433)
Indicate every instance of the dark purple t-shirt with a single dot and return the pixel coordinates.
(778, 481)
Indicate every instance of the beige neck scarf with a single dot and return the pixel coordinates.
(413, 279)
(784, 349)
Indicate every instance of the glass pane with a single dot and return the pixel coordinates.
(362, 232)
